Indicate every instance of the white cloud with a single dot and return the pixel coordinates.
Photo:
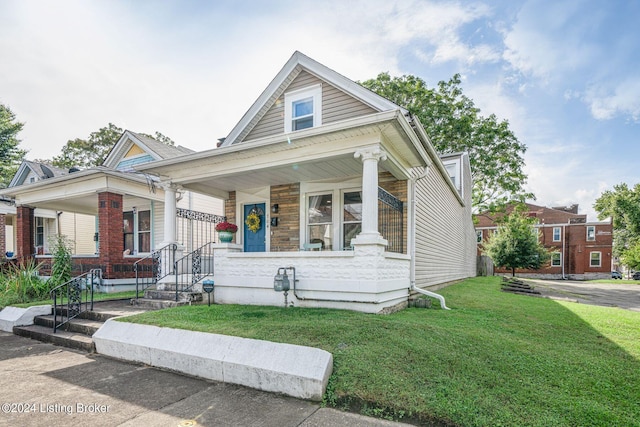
(624, 99)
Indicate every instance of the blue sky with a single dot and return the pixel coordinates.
(563, 73)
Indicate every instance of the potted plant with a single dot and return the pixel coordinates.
(226, 230)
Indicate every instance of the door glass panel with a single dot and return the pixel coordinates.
(320, 220)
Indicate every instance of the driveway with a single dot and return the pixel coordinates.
(620, 295)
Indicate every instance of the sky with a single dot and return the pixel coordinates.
(563, 73)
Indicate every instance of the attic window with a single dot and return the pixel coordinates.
(303, 108)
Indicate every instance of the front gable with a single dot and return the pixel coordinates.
(134, 149)
(31, 172)
(305, 94)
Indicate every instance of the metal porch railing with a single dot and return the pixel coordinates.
(193, 267)
(154, 267)
(74, 297)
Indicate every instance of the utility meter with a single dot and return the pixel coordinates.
(281, 281)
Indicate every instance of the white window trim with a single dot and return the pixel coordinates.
(479, 236)
(454, 164)
(559, 264)
(599, 259)
(315, 92)
(594, 233)
(337, 191)
(559, 239)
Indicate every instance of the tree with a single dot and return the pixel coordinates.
(89, 152)
(454, 124)
(161, 138)
(622, 205)
(516, 244)
(10, 154)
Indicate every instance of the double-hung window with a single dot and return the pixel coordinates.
(556, 259)
(351, 216)
(556, 234)
(303, 108)
(591, 233)
(320, 220)
(137, 231)
(595, 259)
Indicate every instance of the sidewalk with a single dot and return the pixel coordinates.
(45, 385)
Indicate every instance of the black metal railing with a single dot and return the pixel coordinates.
(391, 220)
(155, 266)
(74, 297)
(193, 267)
(194, 229)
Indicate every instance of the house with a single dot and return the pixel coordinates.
(114, 214)
(580, 249)
(336, 187)
(47, 222)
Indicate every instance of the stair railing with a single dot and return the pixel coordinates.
(74, 297)
(194, 266)
(149, 270)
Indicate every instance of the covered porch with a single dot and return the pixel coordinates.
(331, 204)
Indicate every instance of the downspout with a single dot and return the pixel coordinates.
(412, 244)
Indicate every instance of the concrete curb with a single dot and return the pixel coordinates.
(15, 316)
(294, 370)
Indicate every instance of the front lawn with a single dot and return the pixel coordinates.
(96, 297)
(495, 359)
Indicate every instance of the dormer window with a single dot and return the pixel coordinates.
(303, 108)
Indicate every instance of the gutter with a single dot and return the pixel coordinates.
(412, 244)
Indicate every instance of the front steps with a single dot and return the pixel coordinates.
(164, 296)
(77, 332)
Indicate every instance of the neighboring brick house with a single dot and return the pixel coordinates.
(579, 249)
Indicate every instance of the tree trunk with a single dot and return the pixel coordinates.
(513, 272)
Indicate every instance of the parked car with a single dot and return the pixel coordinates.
(617, 275)
(636, 275)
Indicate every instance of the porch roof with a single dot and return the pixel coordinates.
(78, 191)
(314, 154)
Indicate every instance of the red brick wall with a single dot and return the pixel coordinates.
(110, 229)
(24, 232)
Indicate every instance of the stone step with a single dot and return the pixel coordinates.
(62, 338)
(83, 326)
(89, 315)
(158, 304)
(171, 295)
(522, 291)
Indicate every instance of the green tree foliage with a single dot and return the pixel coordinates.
(454, 124)
(516, 244)
(10, 153)
(622, 205)
(161, 138)
(89, 152)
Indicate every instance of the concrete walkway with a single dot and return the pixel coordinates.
(63, 387)
(621, 295)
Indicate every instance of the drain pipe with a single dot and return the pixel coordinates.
(412, 241)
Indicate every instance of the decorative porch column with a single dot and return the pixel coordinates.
(370, 158)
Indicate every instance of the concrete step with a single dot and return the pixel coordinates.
(89, 315)
(82, 326)
(62, 338)
(171, 295)
(157, 304)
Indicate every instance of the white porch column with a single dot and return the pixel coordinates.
(169, 214)
(370, 158)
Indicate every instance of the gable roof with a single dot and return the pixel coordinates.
(41, 170)
(151, 147)
(296, 64)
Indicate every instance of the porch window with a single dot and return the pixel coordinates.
(320, 220)
(39, 237)
(137, 231)
(351, 216)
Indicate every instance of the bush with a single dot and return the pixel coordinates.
(20, 283)
(61, 264)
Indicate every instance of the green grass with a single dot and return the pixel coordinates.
(96, 297)
(495, 359)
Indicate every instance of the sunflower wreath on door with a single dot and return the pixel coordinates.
(253, 219)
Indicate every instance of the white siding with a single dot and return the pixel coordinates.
(445, 239)
(79, 228)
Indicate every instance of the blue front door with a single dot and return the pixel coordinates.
(255, 241)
